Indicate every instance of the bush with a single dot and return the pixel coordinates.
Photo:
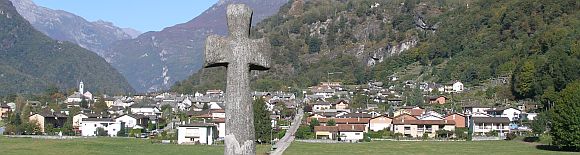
(102, 132)
(134, 132)
(425, 136)
(531, 139)
(366, 137)
(511, 136)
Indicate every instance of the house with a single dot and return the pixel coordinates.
(454, 87)
(483, 125)
(325, 132)
(4, 111)
(145, 109)
(338, 121)
(351, 132)
(394, 101)
(471, 109)
(44, 119)
(196, 133)
(459, 120)
(78, 119)
(324, 91)
(512, 113)
(356, 115)
(404, 117)
(90, 126)
(341, 104)
(133, 121)
(116, 110)
(436, 99)
(221, 127)
(430, 116)
(416, 128)
(380, 123)
(319, 106)
(413, 111)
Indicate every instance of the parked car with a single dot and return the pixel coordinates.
(142, 135)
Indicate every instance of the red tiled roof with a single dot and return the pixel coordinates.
(344, 120)
(351, 127)
(219, 120)
(326, 128)
(424, 122)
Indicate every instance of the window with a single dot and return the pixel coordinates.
(357, 134)
(407, 128)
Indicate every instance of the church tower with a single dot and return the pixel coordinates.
(81, 87)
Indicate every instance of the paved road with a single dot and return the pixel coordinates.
(285, 142)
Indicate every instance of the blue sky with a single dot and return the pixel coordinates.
(142, 15)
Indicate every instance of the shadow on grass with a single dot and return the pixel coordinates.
(556, 148)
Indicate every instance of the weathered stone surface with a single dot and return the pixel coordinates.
(240, 55)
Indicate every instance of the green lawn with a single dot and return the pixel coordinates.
(418, 148)
(103, 146)
(106, 146)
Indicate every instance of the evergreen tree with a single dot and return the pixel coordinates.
(262, 122)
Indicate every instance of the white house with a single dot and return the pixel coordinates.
(89, 126)
(457, 86)
(512, 113)
(129, 121)
(78, 119)
(202, 133)
(145, 109)
(380, 123)
(321, 106)
(351, 132)
(483, 125)
(454, 87)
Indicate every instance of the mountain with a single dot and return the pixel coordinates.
(61, 25)
(532, 42)
(31, 62)
(311, 39)
(156, 60)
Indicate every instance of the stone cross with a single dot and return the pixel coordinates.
(239, 54)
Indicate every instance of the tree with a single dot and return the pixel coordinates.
(67, 128)
(262, 122)
(565, 118)
(524, 80)
(84, 103)
(540, 123)
(331, 122)
(313, 122)
(100, 106)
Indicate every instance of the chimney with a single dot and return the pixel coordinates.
(403, 120)
(445, 121)
(352, 127)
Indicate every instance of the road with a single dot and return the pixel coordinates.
(285, 142)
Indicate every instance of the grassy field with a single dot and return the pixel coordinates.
(103, 146)
(419, 148)
(128, 146)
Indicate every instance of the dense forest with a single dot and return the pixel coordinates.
(533, 43)
(32, 63)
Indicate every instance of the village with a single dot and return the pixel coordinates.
(332, 113)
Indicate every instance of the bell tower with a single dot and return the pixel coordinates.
(81, 87)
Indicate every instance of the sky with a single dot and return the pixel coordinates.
(142, 15)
